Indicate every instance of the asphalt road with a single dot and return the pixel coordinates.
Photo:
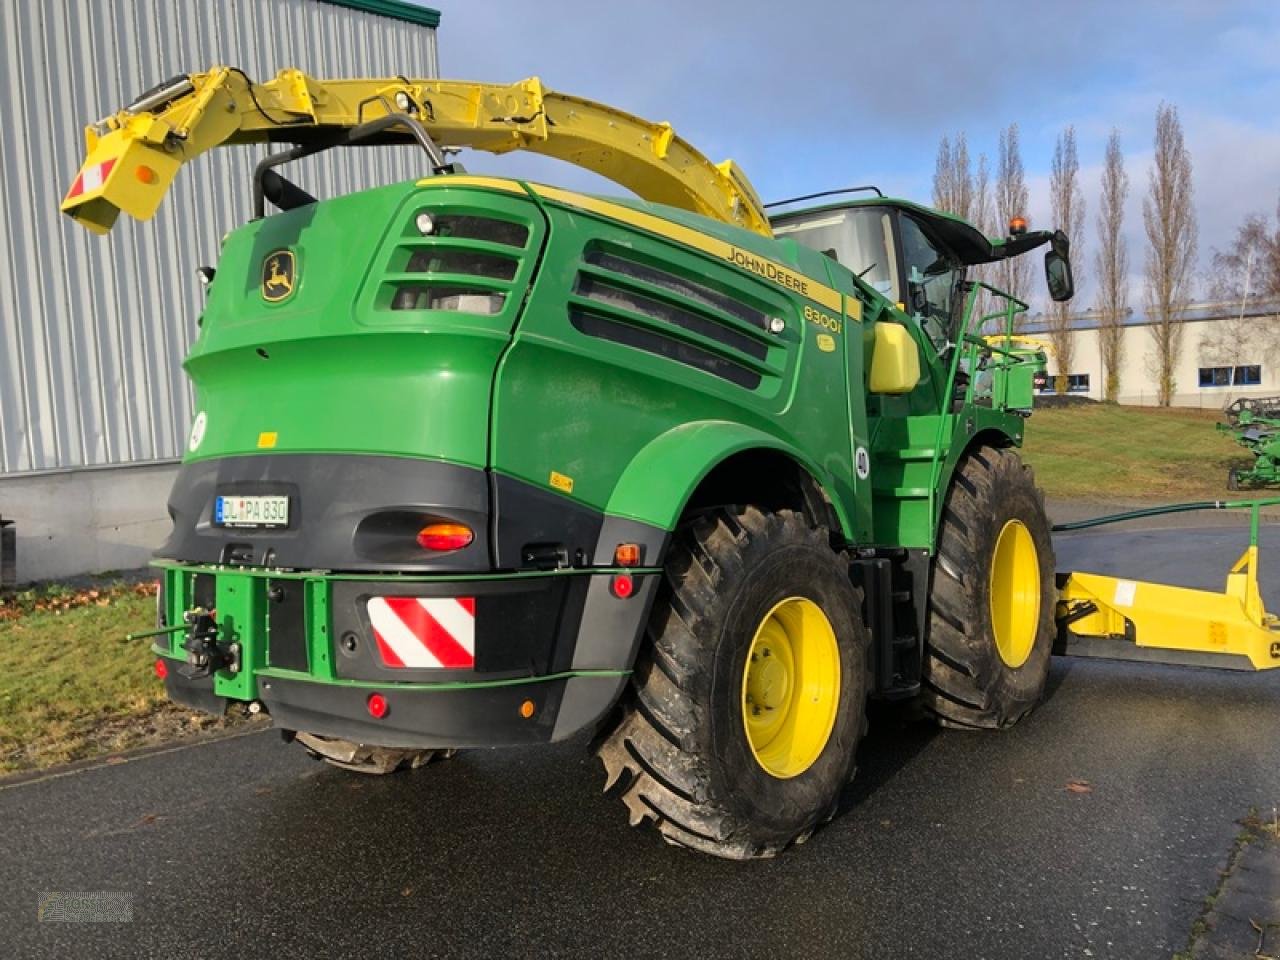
(949, 844)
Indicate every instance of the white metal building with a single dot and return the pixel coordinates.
(93, 401)
(1229, 350)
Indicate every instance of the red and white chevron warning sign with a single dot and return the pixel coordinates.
(425, 632)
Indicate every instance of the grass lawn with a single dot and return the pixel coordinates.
(71, 686)
(1100, 451)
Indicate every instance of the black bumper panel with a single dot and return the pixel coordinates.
(346, 512)
(467, 716)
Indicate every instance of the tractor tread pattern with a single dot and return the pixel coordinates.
(964, 686)
(644, 755)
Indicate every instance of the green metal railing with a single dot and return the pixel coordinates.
(969, 347)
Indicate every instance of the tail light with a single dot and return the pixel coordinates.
(445, 536)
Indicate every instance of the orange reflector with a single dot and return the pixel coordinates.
(445, 536)
(145, 174)
(623, 586)
(526, 709)
(162, 669)
(377, 705)
(627, 555)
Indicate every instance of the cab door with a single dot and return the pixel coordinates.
(934, 282)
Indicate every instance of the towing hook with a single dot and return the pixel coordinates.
(204, 653)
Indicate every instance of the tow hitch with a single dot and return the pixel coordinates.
(204, 653)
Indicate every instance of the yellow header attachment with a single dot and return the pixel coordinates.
(133, 155)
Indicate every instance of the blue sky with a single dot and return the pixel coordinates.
(810, 95)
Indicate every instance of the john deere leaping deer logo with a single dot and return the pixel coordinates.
(278, 275)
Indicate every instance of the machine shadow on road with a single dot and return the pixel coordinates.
(899, 732)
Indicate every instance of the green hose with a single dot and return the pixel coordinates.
(1253, 505)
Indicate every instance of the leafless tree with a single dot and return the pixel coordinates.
(1067, 201)
(1112, 261)
(983, 217)
(1169, 216)
(958, 189)
(1013, 275)
(1246, 278)
(952, 177)
(1250, 266)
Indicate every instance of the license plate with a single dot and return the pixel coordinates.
(251, 511)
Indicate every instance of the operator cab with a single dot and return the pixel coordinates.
(897, 251)
(917, 257)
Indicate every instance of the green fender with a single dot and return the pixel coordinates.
(661, 478)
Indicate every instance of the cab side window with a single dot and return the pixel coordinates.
(932, 281)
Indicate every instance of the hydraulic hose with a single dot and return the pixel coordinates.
(1167, 508)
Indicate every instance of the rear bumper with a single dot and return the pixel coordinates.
(556, 646)
(421, 717)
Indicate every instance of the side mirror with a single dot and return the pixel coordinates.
(1057, 268)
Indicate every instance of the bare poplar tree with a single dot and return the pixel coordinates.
(1067, 201)
(963, 178)
(952, 177)
(1013, 275)
(956, 189)
(981, 213)
(1112, 261)
(943, 189)
(1170, 220)
(983, 217)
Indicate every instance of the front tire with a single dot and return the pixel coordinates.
(991, 603)
(748, 700)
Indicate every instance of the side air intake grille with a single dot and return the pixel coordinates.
(648, 308)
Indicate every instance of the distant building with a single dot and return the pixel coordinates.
(1227, 353)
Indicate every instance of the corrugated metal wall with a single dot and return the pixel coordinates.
(93, 329)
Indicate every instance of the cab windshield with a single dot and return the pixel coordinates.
(860, 239)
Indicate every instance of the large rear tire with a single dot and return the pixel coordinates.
(748, 700)
(993, 594)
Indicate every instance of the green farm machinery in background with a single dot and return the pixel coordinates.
(1254, 423)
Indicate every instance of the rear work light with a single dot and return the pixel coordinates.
(445, 536)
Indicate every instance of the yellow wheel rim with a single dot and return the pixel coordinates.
(1015, 593)
(791, 687)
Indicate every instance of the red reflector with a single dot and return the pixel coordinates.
(162, 669)
(445, 536)
(623, 586)
(377, 705)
